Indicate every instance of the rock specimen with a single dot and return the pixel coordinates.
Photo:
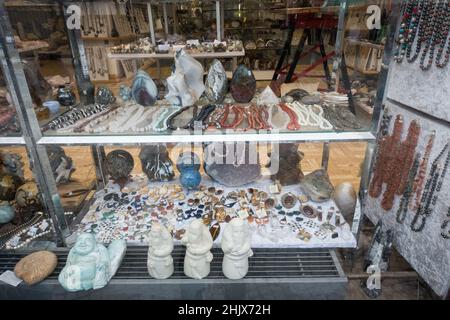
(216, 82)
(65, 96)
(125, 93)
(104, 96)
(144, 90)
(6, 213)
(345, 197)
(185, 85)
(9, 184)
(243, 84)
(28, 195)
(297, 94)
(119, 164)
(317, 185)
(11, 163)
(267, 97)
(61, 164)
(90, 265)
(156, 163)
(36, 267)
(232, 165)
(289, 168)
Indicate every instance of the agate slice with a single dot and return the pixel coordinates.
(144, 90)
(185, 85)
(317, 186)
(216, 83)
(243, 84)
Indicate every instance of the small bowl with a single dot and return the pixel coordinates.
(52, 105)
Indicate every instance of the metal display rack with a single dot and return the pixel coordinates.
(36, 141)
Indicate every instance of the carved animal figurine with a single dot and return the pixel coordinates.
(236, 245)
(160, 261)
(198, 242)
(90, 265)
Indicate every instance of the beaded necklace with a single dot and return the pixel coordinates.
(444, 226)
(432, 188)
(403, 207)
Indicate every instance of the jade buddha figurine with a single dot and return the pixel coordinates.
(236, 246)
(160, 247)
(90, 265)
(198, 242)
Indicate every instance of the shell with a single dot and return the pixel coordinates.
(185, 85)
(144, 90)
(243, 84)
(216, 82)
(345, 197)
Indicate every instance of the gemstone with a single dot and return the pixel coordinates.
(216, 82)
(243, 84)
(144, 90)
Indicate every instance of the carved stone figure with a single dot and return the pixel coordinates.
(159, 260)
(90, 265)
(198, 242)
(236, 245)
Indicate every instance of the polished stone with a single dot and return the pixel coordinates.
(144, 90)
(243, 84)
(216, 82)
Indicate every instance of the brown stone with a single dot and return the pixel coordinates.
(36, 267)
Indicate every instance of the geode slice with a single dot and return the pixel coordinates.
(156, 163)
(317, 185)
(119, 164)
(144, 90)
(216, 82)
(243, 84)
(231, 165)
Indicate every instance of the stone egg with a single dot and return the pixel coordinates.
(243, 84)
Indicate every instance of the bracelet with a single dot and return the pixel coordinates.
(214, 117)
(202, 116)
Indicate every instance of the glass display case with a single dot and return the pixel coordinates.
(202, 143)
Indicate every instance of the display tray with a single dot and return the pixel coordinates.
(132, 220)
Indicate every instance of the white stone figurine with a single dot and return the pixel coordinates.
(198, 243)
(159, 261)
(236, 245)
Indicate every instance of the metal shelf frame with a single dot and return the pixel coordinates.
(36, 142)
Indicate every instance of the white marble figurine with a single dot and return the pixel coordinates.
(160, 261)
(236, 245)
(198, 242)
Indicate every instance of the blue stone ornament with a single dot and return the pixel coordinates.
(188, 164)
(144, 90)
